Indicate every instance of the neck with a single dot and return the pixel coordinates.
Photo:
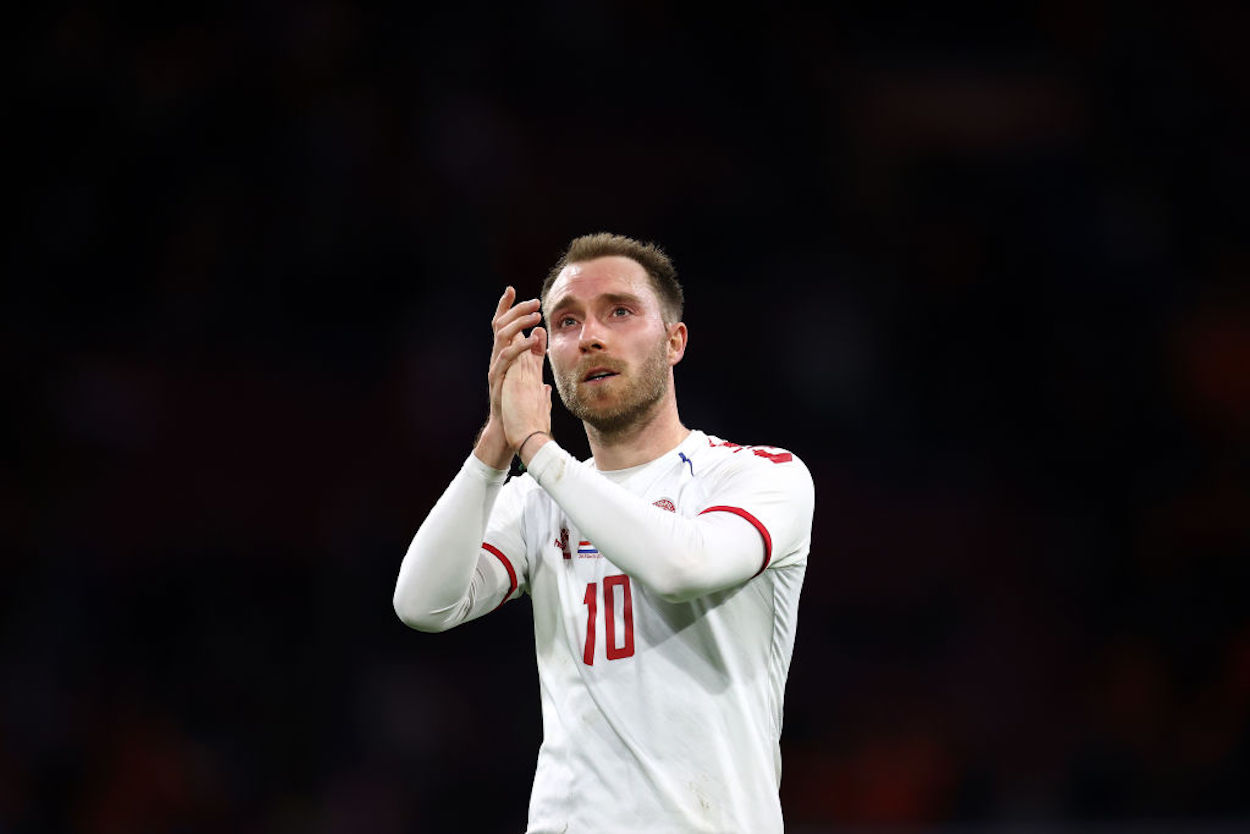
(641, 442)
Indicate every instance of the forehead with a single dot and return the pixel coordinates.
(584, 281)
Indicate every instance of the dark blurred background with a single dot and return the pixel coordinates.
(985, 272)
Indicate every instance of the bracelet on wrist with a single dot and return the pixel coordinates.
(521, 445)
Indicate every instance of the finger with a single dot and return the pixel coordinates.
(506, 335)
(521, 308)
(507, 328)
(505, 353)
(512, 351)
(540, 344)
(505, 301)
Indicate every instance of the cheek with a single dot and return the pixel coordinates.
(558, 356)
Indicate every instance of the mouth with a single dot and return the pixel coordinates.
(595, 375)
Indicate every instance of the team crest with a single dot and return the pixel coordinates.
(563, 543)
(665, 504)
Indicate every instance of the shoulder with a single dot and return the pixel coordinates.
(770, 484)
(725, 458)
(718, 451)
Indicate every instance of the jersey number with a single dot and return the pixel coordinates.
(610, 585)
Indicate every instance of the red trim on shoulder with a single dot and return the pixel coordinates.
(768, 540)
(776, 456)
(508, 567)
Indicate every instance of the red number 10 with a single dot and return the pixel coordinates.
(610, 584)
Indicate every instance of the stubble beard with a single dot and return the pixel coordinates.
(628, 407)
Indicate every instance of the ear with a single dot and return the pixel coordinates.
(677, 338)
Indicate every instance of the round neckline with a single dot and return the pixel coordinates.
(624, 474)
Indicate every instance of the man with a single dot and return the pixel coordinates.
(664, 572)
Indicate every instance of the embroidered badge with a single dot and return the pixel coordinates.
(563, 542)
(665, 504)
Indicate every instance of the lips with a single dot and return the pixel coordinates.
(598, 374)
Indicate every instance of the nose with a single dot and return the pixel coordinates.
(592, 336)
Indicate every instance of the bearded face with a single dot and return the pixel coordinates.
(611, 350)
(609, 394)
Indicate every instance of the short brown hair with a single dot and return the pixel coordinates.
(654, 261)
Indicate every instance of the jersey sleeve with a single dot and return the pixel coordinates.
(772, 490)
(451, 573)
(678, 557)
(505, 539)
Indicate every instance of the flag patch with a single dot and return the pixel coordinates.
(586, 550)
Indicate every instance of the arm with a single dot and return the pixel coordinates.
(449, 574)
(447, 577)
(679, 558)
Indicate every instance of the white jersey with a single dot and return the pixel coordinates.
(659, 716)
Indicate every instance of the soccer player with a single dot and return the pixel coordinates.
(664, 572)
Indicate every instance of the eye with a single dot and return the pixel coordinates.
(621, 311)
(566, 321)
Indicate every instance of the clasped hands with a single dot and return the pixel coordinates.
(520, 402)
